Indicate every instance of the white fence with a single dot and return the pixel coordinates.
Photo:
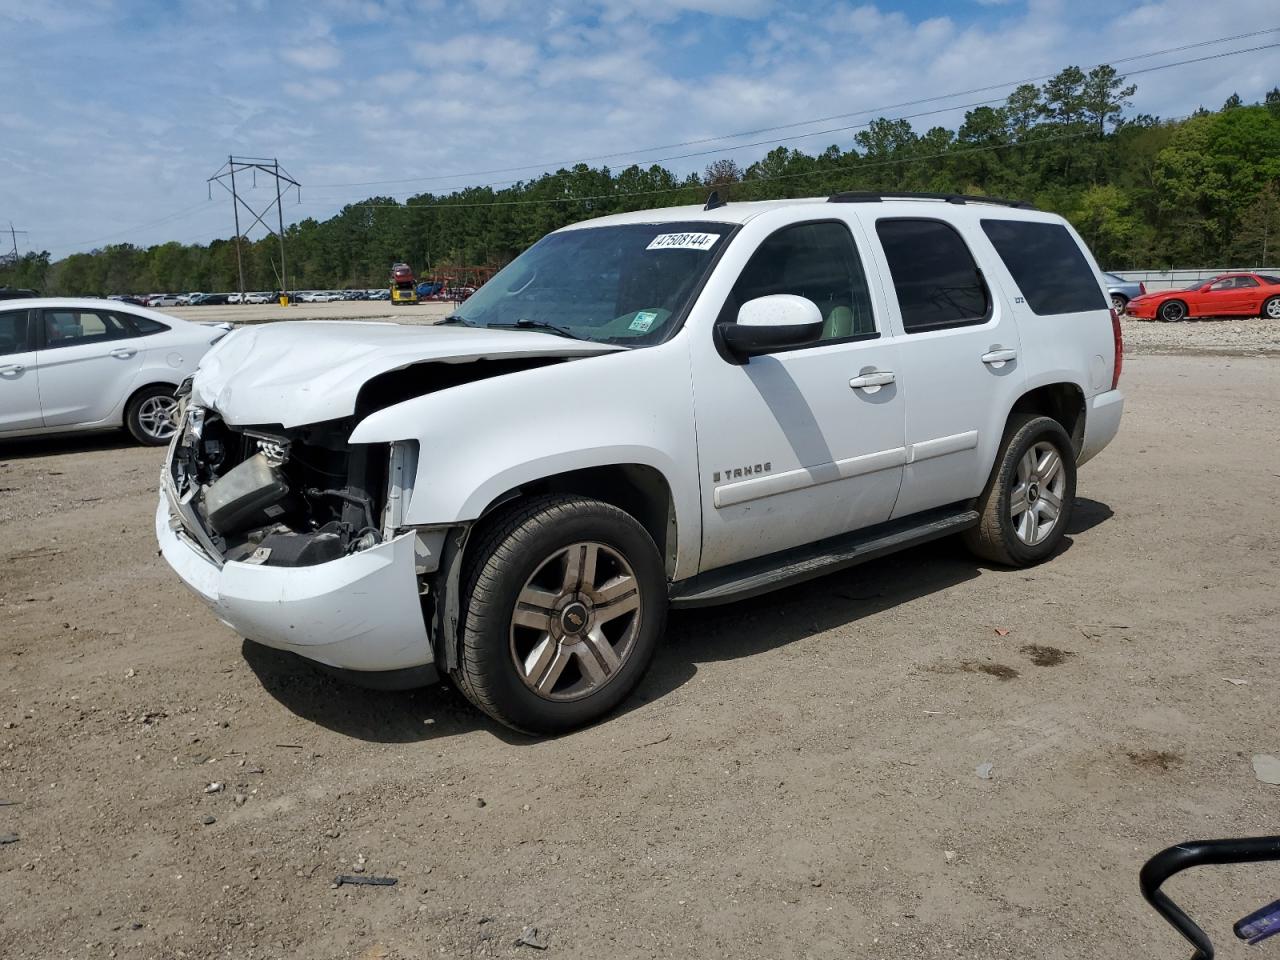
(1180, 279)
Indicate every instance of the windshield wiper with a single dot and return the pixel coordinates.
(455, 319)
(527, 324)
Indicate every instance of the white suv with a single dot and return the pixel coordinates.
(668, 407)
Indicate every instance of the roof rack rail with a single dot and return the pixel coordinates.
(875, 196)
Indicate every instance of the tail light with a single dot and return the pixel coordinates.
(1142, 289)
(1119, 340)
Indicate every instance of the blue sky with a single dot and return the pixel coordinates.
(117, 110)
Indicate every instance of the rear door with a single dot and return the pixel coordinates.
(959, 356)
(88, 361)
(19, 386)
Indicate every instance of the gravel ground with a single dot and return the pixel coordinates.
(1230, 336)
(797, 777)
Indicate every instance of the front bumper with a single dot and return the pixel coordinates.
(360, 612)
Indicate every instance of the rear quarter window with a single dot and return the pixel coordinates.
(1047, 265)
(144, 325)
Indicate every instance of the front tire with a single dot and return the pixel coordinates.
(564, 599)
(1027, 503)
(1173, 311)
(1271, 308)
(152, 416)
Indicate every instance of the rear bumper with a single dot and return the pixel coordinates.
(358, 613)
(1101, 423)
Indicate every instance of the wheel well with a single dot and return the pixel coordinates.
(640, 490)
(146, 386)
(1063, 402)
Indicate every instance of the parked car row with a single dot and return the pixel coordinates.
(197, 299)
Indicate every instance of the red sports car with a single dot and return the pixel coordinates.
(1229, 295)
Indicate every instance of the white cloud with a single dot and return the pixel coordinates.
(497, 54)
(315, 57)
(316, 90)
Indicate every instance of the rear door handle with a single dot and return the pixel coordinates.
(123, 353)
(999, 357)
(12, 368)
(876, 378)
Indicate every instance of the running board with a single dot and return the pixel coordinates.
(762, 574)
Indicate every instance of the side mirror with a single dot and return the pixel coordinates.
(1206, 288)
(768, 323)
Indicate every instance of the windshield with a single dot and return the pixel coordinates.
(1202, 283)
(625, 284)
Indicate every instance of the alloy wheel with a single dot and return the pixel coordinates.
(158, 417)
(1273, 308)
(575, 621)
(1035, 503)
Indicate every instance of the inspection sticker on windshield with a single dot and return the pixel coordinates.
(643, 321)
(683, 241)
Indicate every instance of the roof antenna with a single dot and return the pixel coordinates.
(714, 201)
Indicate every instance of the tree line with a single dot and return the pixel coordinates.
(1202, 190)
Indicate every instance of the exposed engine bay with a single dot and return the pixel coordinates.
(277, 497)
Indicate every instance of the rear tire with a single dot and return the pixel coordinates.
(1172, 311)
(151, 417)
(1271, 308)
(564, 599)
(1118, 302)
(1026, 505)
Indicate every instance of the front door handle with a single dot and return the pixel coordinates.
(123, 353)
(12, 368)
(999, 357)
(874, 378)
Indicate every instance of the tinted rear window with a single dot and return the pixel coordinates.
(934, 275)
(145, 325)
(1047, 265)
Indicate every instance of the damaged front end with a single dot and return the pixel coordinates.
(276, 497)
(294, 537)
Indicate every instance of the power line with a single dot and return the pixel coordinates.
(180, 214)
(816, 133)
(843, 168)
(142, 226)
(857, 166)
(837, 116)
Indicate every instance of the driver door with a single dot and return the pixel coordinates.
(802, 443)
(1221, 299)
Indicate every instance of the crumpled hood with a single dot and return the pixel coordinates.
(308, 371)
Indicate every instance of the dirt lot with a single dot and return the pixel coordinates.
(796, 778)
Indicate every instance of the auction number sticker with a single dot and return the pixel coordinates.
(683, 241)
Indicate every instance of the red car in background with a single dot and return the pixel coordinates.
(1228, 295)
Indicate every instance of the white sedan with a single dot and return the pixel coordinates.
(72, 364)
